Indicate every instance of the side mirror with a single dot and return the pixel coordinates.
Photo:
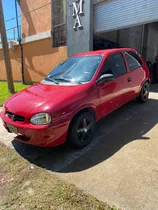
(105, 78)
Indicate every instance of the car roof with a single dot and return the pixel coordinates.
(103, 52)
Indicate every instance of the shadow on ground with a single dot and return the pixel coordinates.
(154, 88)
(129, 123)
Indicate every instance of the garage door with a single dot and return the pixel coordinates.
(117, 14)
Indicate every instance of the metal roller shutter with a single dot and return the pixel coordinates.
(117, 14)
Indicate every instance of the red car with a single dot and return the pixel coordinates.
(66, 105)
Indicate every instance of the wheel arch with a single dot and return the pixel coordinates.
(88, 109)
(148, 80)
(140, 88)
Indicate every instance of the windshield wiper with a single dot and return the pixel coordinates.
(64, 80)
(67, 80)
(52, 80)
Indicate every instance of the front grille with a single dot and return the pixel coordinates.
(15, 117)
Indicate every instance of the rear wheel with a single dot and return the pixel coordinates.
(81, 130)
(144, 93)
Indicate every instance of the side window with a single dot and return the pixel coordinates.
(133, 60)
(115, 65)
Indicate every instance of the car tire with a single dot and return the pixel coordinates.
(81, 130)
(144, 93)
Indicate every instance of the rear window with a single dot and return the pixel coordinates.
(134, 62)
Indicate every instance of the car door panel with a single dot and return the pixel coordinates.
(138, 76)
(106, 93)
(115, 93)
(122, 91)
(136, 72)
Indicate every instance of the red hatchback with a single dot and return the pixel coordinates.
(66, 105)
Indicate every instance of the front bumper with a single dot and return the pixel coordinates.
(39, 135)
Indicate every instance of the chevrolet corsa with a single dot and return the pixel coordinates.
(66, 105)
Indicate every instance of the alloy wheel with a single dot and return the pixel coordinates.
(145, 91)
(84, 130)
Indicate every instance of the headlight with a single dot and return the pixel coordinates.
(3, 108)
(41, 119)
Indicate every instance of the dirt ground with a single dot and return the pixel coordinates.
(24, 186)
(119, 167)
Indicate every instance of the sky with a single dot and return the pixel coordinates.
(9, 12)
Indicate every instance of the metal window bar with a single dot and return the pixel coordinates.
(59, 22)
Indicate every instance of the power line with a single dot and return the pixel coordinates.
(20, 44)
(32, 9)
(41, 22)
(28, 12)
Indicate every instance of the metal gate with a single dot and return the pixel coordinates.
(117, 14)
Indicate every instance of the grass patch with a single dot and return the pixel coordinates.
(25, 186)
(4, 93)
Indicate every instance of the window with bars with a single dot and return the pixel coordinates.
(59, 22)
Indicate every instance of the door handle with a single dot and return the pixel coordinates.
(129, 79)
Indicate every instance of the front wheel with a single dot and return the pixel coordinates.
(144, 93)
(81, 130)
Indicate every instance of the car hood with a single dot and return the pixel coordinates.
(43, 98)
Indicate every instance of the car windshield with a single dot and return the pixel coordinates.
(75, 70)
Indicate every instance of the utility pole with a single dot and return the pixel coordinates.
(6, 51)
(20, 44)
